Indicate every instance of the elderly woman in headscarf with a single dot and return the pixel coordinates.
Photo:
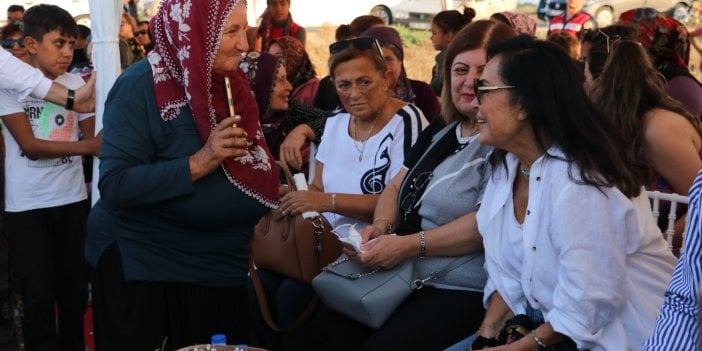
(668, 43)
(404, 88)
(300, 70)
(182, 183)
(267, 78)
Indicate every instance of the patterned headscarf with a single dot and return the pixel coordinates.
(521, 22)
(298, 64)
(261, 70)
(389, 35)
(666, 39)
(187, 40)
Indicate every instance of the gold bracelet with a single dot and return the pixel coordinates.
(333, 202)
(388, 224)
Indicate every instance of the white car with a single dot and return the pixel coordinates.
(417, 14)
(607, 12)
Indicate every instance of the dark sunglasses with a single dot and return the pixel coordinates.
(10, 43)
(362, 43)
(479, 88)
(141, 32)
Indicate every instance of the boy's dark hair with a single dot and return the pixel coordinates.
(141, 23)
(42, 19)
(15, 8)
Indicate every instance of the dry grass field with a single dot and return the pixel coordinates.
(419, 52)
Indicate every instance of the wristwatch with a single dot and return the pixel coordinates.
(71, 99)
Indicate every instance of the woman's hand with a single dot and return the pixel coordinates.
(387, 251)
(367, 233)
(294, 141)
(370, 232)
(297, 202)
(225, 141)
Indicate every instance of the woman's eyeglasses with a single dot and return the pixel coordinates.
(416, 188)
(10, 43)
(479, 88)
(362, 43)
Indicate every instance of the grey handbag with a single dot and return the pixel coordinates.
(370, 296)
(366, 296)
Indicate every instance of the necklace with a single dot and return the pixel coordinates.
(525, 172)
(462, 146)
(361, 148)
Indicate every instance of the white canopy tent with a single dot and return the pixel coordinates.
(105, 17)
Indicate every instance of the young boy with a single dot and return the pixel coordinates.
(45, 199)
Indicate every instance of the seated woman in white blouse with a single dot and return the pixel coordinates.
(568, 233)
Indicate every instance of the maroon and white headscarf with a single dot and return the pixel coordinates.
(187, 35)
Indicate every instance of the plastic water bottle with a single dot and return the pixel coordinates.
(218, 339)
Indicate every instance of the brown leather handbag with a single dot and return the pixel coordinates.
(293, 246)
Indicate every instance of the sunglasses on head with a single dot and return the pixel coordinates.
(362, 43)
(10, 43)
(593, 35)
(141, 32)
(479, 88)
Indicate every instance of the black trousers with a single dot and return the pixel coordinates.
(429, 319)
(138, 315)
(46, 251)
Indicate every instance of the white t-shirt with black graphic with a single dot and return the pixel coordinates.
(383, 155)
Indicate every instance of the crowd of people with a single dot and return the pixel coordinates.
(522, 165)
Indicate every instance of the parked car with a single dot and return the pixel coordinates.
(417, 14)
(606, 12)
(542, 9)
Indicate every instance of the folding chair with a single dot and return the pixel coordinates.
(674, 199)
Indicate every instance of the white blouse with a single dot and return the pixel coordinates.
(594, 262)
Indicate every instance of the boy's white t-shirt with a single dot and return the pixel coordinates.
(42, 183)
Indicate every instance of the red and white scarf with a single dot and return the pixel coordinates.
(187, 35)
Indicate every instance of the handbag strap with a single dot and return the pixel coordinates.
(288, 175)
(419, 282)
(265, 309)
